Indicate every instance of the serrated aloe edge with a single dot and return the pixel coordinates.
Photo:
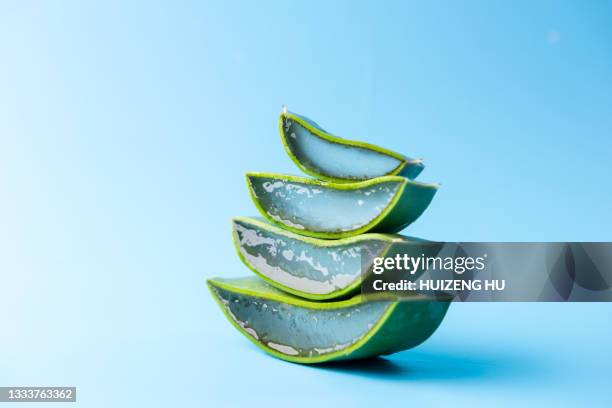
(304, 331)
(331, 158)
(338, 210)
(312, 268)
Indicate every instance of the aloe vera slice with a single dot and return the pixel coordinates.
(337, 210)
(312, 268)
(304, 331)
(332, 158)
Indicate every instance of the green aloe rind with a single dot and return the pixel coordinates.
(338, 210)
(312, 268)
(304, 331)
(331, 158)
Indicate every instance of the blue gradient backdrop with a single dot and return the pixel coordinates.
(125, 132)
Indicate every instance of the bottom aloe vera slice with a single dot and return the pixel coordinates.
(313, 268)
(304, 331)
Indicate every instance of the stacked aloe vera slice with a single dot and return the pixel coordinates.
(308, 251)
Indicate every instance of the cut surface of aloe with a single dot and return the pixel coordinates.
(332, 158)
(304, 331)
(308, 267)
(337, 210)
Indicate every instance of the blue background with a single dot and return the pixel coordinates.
(125, 133)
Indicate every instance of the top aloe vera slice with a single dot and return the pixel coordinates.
(328, 157)
(304, 331)
(337, 210)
